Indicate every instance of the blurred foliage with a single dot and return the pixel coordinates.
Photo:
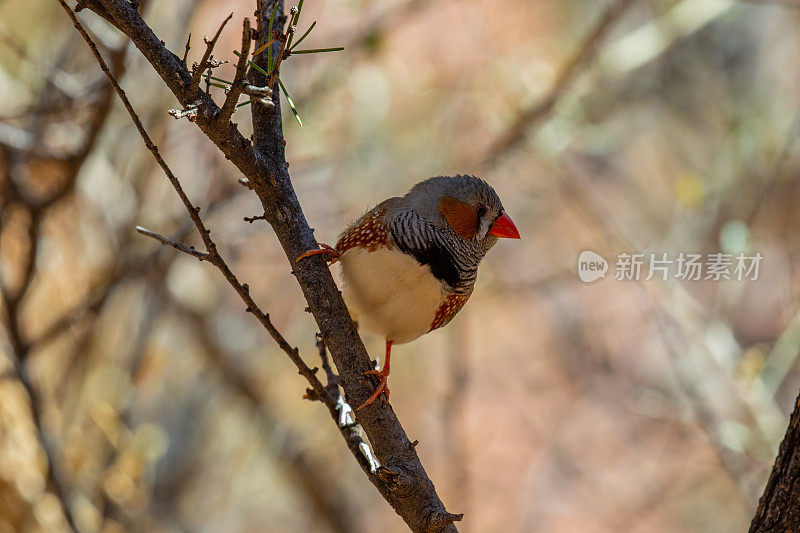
(547, 405)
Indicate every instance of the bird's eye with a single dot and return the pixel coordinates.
(481, 211)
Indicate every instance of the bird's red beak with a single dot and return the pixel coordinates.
(504, 228)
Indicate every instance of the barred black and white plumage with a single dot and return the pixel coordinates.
(450, 258)
(420, 229)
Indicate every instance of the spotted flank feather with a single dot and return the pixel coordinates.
(451, 305)
(369, 232)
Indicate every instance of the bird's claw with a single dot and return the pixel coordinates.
(323, 249)
(383, 386)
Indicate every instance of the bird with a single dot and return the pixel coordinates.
(410, 263)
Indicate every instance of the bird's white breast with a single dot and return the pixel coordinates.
(390, 293)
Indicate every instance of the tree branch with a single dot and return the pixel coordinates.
(189, 250)
(205, 62)
(238, 81)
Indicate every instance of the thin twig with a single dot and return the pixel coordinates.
(250, 220)
(186, 50)
(190, 250)
(332, 379)
(193, 212)
(283, 53)
(205, 61)
(235, 89)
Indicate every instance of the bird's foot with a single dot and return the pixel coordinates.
(383, 386)
(323, 249)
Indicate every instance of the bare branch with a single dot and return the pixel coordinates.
(416, 500)
(193, 211)
(250, 220)
(189, 250)
(236, 86)
(205, 61)
(187, 48)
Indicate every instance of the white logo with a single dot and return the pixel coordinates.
(591, 266)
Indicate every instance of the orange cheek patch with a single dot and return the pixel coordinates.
(461, 217)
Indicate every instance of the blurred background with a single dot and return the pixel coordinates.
(547, 405)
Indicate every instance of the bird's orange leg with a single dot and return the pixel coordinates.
(324, 249)
(383, 374)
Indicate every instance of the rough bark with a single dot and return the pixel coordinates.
(402, 479)
(779, 506)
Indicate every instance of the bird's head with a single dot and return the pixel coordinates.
(465, 206)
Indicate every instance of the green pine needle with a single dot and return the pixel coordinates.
(318, 50)
(252, 64)
(269, 37)
(300, 40)
(291, 103)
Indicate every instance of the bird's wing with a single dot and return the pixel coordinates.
(370, 230)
